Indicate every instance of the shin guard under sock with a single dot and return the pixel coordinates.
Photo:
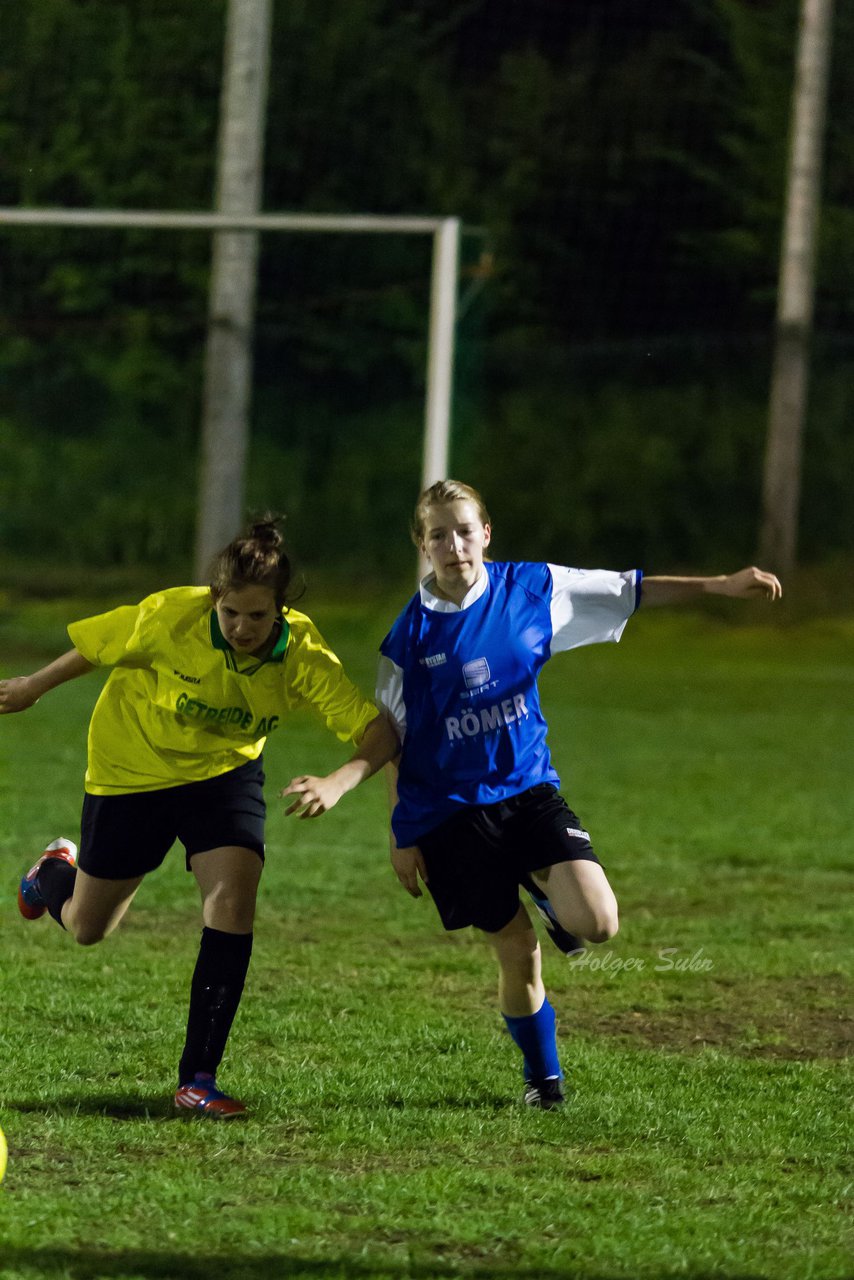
(535, 1036)
(214, 996)
(55, 883)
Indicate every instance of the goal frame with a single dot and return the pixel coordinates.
(444, 282)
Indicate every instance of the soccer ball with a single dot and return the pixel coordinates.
(4, 1151)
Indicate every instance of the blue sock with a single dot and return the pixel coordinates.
(535, 1036)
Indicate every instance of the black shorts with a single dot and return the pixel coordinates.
(122, 836)
(477, 858)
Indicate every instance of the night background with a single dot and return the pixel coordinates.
(620, 170)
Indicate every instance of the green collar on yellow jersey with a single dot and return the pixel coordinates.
(219, 641)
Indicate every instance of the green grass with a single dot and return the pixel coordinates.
(706, 1135)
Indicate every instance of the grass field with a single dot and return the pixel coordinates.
(706, 1045)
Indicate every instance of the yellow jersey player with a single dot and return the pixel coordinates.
(200, 677)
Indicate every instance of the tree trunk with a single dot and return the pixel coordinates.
(790, 373)
(228, 356)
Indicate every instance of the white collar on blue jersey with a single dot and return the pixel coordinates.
(438, 605)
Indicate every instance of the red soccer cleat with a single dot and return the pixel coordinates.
(30, 902)
(201, 1097)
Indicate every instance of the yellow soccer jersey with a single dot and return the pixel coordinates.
(181, 705)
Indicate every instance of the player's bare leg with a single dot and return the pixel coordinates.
(581, 897)
(228, 880)
(520, 983)
(97, 907)
(529, 1016)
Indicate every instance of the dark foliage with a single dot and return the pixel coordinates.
(620, 167)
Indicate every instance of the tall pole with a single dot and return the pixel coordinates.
(444, 287)
(778, 537)
(231, 306)
(440, 351)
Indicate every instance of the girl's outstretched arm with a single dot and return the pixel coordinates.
(747, 584)
(314, 796)
(21, 692)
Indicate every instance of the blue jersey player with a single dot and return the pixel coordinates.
(477, 812)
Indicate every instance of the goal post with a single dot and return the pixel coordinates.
(444, 284)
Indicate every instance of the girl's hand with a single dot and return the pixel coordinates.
(750, 584)
(17, 694)
(314, 796)
(408, 866)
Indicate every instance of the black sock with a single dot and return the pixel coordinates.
(214, 996)
(55, 883)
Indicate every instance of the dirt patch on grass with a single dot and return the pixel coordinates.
(788, 1018)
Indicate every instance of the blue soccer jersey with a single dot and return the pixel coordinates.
(460, 682)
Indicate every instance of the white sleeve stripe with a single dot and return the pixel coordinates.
(389, 693)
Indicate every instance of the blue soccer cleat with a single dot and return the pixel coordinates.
(31, 904)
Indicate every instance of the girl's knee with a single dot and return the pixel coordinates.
(229, 912)
(594, 921)
(523, 965)
(86, 935)
(87, 928)
(605, 925)
(519, 956)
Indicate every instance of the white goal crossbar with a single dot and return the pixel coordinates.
(443, 286)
